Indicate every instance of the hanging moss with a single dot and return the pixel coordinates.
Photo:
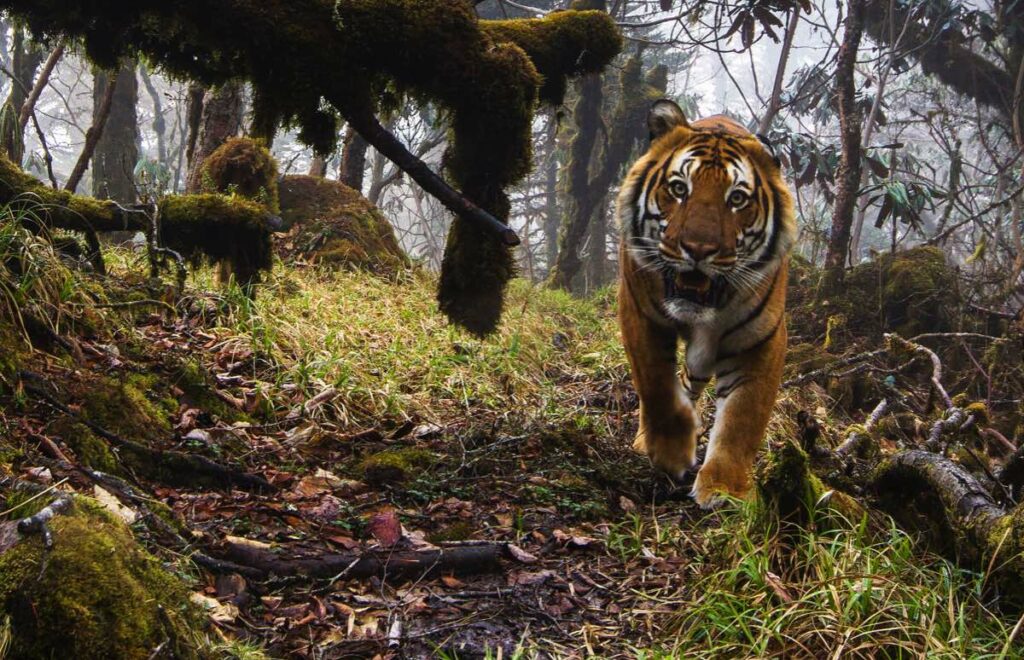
(335, 226)
(96, 594)
(244, 167)
(309, 58)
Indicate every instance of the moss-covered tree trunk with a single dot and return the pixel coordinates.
(597, 256)
(626, 129)
(220, 119)
(117, 150)
(551, 214)
(848, 174)
(579, 202)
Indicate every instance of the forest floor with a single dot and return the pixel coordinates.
(381, 430)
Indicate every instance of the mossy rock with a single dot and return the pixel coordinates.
(396, 466)
(244, 167)
(908, 292)
(95, 594)
(333, 225)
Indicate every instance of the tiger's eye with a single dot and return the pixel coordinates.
(678, 189)
(738, 199)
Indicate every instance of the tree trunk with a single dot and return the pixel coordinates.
(44, 78)
(318, 167)
(848, 174)
(117, 148)
(220, 119)
(92, 136)
(551, 215)
(775, 102)
(578, 202)
(597, 258)
(25, 60)
(353, 160)
(159, 122)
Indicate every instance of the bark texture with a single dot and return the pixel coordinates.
(848, 174)
(117, 149)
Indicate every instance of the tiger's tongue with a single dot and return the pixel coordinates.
(694, 280)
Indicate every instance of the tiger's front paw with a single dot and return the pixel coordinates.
(672, 455)
(716, 481)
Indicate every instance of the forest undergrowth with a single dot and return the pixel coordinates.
(263, 449)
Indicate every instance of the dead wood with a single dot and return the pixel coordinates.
(935, 495)
(385, 564)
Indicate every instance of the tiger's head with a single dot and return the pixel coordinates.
(706, 206)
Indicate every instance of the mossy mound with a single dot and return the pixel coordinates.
(243, 166)
(95, 594)
(910, 292)
(334, 225)
(131, 407)
(395, 466)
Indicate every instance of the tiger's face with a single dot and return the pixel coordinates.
(708, 209)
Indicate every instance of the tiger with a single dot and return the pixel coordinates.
(707, 223)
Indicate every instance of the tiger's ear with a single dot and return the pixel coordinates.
(663, 116)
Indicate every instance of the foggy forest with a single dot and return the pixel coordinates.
(511, 329)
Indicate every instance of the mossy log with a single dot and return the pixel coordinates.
(298, 53)
(216, 228)
(933, 494)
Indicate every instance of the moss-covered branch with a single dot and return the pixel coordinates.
(218, 228)
(297, 53)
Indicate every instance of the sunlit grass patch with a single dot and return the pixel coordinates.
(388, 351)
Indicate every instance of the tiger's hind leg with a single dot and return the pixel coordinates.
(744, 405)
(668, 421)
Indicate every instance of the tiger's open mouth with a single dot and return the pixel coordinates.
(695, 287)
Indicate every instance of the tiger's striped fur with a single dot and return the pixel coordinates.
(707, 223)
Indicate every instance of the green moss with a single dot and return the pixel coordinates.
(128, 407)
(908, 292)
(244, 167)
(13, 349)
(563, 43)
(94, 595)
(219, 229)
(789, 489)
(197, 384)
(336, 226)
(91, 451)
(396, 465)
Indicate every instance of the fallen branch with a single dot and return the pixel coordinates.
(971, 524)
(393, 564)
(858, 442)
(39, 523)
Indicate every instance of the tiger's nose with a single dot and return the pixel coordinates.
(699, 251)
